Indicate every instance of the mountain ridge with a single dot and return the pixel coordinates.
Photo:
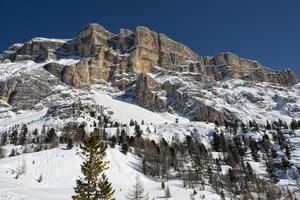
(142, 65)
(128, 41)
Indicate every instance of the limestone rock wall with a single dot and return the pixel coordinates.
(105, 56)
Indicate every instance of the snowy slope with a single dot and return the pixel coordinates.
(60, 168)
(8, 69)
(119, 110)
(123, 111)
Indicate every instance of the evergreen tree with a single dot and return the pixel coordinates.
(131, 123)
(50, 136)
(113, 141)
(23, 135)
(106, 187)
(14, 137)
(94, 184)
(125, 148)
(144, 166)
(288, 152)
(163, 185)
(35, 132)
(1, 153)
(254, 150)
(138, 131)
(70, 144)
(12, 153)
(3, 139)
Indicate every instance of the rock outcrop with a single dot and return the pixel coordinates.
(106, 54)
(92, 38)
(7, 87)
(128, 61)
(176, 96)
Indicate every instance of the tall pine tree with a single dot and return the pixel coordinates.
(94, 185)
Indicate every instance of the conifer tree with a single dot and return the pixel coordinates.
(131, 123)
(23, 135)
(93, 185)
(14, 137)
(138, 131)
(125, 148)
(1, 153)
(70, 143)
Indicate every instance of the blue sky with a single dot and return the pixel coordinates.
(263, 30)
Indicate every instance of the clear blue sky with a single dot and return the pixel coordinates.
(264, 30)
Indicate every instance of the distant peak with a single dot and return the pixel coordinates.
(96, 27)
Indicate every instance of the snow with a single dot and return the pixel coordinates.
(123, 111)
(60, 168)
(42, 39)
(17, 68)
(266, 107)
(21, 117)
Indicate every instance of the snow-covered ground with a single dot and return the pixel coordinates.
(123, 111)
(119, 110)
(60, 168)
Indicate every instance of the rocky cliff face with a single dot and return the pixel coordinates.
(130, 60)
(106, 54)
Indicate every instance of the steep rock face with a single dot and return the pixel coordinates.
(29, 92)
(103, 66)
(91, 38)
(55, 69)
(128, 59)
(144, 56)
(155, 49)
(7, 87)
(228, 65)
(147, 93)
(176, 96)
(41, 49)
(140, 52)
(125, 40)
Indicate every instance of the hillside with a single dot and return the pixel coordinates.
(220, 127)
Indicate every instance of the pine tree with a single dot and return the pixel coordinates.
(113, 141)
(94, 184)
(70, 143)
(14, 137)
(131, 123)
(12, 153)
(23, 135)
(1, 152)
(138, 191)
(50, 136)
(163, 185)
(138, 131)
(125, 148)
(106, 187)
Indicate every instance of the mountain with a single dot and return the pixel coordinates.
(151, 70)
(202, 124)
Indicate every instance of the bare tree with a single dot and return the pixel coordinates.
(138, 191)
(21, 167)
(168, 193)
